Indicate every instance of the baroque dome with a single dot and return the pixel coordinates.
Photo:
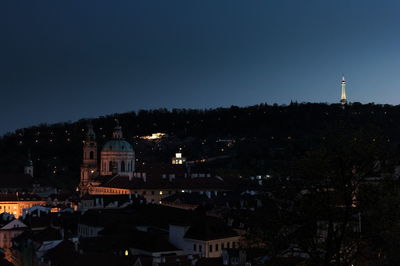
(117, 145)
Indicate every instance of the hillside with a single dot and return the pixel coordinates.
(256, 139)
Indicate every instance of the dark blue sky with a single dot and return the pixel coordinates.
(65, 60)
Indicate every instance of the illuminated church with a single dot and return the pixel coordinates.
(114, 173)
(117, 157)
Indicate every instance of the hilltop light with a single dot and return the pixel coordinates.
(154, 136)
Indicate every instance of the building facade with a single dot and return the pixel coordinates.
(17, 204)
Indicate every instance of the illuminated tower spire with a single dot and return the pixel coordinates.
(343, 98)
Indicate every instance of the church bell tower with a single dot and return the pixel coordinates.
(89, 168)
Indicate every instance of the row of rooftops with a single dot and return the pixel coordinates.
(160, 183)
(19, 196)
(120, 233)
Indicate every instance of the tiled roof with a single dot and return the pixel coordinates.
(157, 170)
(112, 199)
(19, 197)
(125, 182)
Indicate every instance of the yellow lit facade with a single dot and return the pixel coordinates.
(178, 159)
(16, 208)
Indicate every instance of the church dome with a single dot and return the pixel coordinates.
(117, 145)
(117, 156)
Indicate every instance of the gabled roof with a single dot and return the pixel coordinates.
(14, 224)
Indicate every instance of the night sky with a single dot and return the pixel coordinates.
(66, 60)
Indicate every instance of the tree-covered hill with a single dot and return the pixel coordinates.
(256, 139)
